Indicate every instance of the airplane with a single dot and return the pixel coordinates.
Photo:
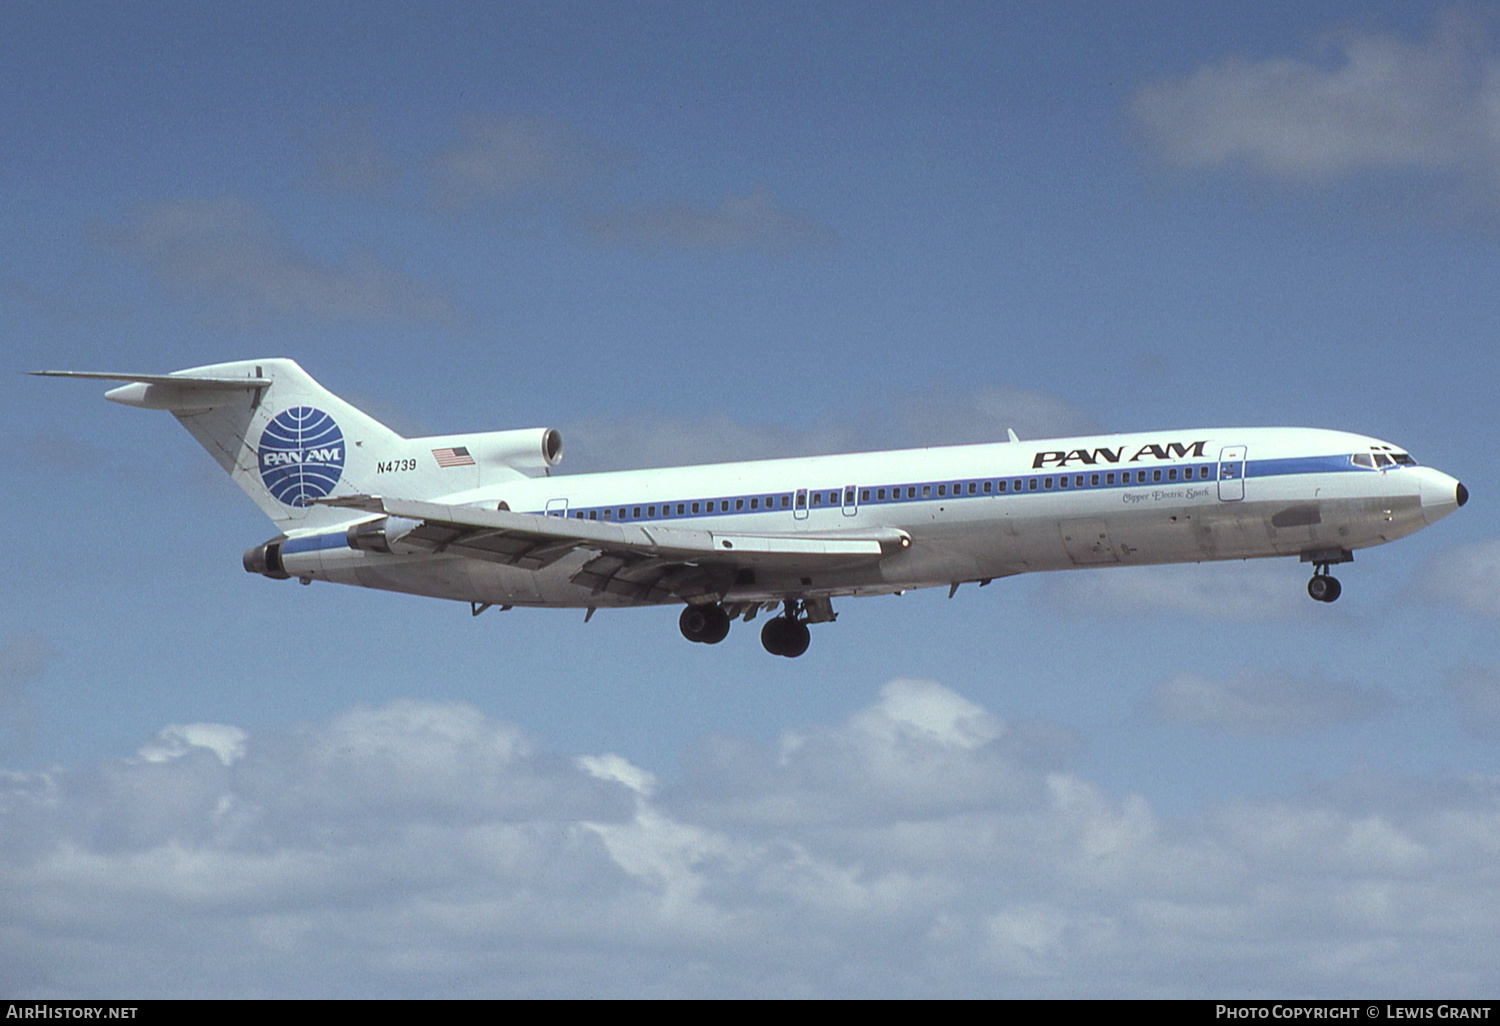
(480, 518)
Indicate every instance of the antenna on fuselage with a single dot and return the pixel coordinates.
(1012, 433)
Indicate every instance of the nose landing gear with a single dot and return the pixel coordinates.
(1324, 587)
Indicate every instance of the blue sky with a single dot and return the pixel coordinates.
(681, 232)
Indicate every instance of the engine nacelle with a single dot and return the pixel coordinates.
(524, 448)
(383, 535)
(266, 559)
(500, 454)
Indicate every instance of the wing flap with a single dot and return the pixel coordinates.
(532, 540)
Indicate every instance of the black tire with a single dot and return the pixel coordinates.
(718, 625)
(797, 638)
(707, 625)
(773, 636)
(1324, 588)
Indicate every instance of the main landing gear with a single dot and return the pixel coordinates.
(787, 634)
(784, 635)
(707, 624)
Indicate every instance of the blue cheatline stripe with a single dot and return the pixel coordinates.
(1095, 478)
(314, 543)
(1300, 465)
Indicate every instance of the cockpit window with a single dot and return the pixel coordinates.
(1383, 458)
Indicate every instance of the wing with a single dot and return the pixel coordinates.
(647, 561)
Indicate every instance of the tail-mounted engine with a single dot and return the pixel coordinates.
(384, 535)
(266, 559)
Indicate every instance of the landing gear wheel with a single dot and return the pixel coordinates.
(1324, 588)
(707, 625)
(785, 637)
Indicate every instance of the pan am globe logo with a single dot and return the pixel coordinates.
(301, 455)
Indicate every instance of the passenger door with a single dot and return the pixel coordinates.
(1232, 473)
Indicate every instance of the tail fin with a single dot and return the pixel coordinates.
(287, 441)
(282, 437)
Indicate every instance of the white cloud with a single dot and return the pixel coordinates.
(1259, 702)
(226, 742)
(1371, 101)
(423, 849)
(228, 256)
(506, 159)
(750, 223)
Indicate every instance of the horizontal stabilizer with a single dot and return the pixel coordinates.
(187, 380)
(179, 393)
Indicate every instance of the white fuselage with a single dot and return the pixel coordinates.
(973, 512)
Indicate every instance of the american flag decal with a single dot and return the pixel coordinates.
(458, 456)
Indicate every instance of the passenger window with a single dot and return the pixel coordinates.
(942, 489)
(1156, 475)
(864, 495)
(1093, 480)
(880, 494)
(636, 512)
(739, 503)
(695, 507)
(1062, 482)
(755, 504)
(1031, 484)
(926, 491)
(987, 488)
(593, 514)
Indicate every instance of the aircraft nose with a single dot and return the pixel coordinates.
(1441, 494)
